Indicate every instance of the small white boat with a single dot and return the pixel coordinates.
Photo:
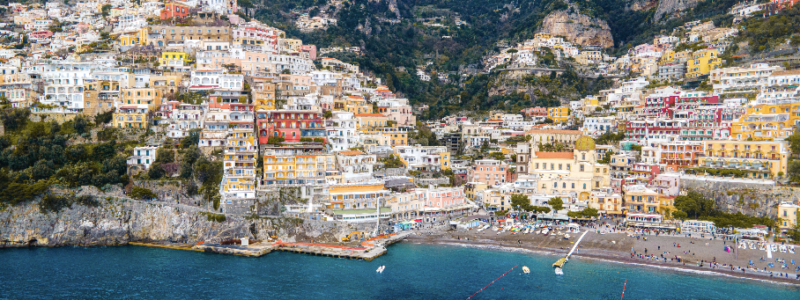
(545, 231)
(566, 236)
(559, 271)
(380, 269)
(526, 270)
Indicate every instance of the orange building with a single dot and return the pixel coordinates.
(174, 9)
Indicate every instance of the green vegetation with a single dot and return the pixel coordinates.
(610, 138)
(34, 155)
(763, 34)
(696, 206)
(142, 193)
(556, 203)
(53, 203)
(586, 213)
(219, 218)
(392, 161)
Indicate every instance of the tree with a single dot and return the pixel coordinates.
(607, 157)
(105, 10)
(164, 155)
(327, 114)
(275, 140)
(556, 203)
(155, 171)
(193, 138)
(522, 201)
(14, 119)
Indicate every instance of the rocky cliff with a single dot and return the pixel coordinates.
(669, 7)
(578, 28)
(120, 221)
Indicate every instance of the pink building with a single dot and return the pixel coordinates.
(441, 203)
(489, 171)
(311, 49)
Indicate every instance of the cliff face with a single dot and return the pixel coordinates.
(640, 5)
(118, 222)
(578, 28)
(668, 7)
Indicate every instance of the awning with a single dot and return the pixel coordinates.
(418, 220)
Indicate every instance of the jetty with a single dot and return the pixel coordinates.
(561, 262)
(369, 249)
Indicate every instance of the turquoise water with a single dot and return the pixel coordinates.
(412, 272)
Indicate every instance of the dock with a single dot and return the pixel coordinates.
(369, 249)
(561, 262)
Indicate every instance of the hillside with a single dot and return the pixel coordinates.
(450, 37)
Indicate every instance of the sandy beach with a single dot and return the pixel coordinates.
(617, 247)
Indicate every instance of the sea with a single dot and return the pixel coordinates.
(412, 271)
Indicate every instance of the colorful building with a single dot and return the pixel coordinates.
(132, 116)
(702, 62)
(558, 114)
(765, 159)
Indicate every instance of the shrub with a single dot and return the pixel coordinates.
(142, 193)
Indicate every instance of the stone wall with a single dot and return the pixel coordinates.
(751, 197)
(120, 221)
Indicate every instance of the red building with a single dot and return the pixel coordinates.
(535, 112)
(174, 10)
(294, 125)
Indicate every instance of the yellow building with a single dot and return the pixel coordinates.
(640, 199)
(474, 188)
(297, 169)
(558, 114)
(139, 38)
(667, 56)
(147, 96)
(666, 205)
(757, 158)
(264, 96)
(368, 122)
(293, 44)
(787, 215)
(606, 202)
(131, 116)
(702, 62)
(568, 174)
(766, 122)
(394, 136)
(99, 96)
(355, 196)
(173, 58)
(357, 105)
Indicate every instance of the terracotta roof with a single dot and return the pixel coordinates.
(351, 152)
(787, 72)
(556, 131)
(565, 155)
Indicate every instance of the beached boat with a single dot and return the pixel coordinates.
(566, 236)
(526, 270)
(545, 231)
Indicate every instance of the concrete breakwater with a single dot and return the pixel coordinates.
(119, 221)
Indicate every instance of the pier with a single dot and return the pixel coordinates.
(561, 262)
(369, 250)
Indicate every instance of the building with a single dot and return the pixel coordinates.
(356, 196)
(702, 63)
(558, 114)
(423, 158)
(787, 215)
(671, 71)
(488, 171)
(132, 116)
(758, 159)
(141, 159)
(640, 199)
(570, 175)
(175, 9)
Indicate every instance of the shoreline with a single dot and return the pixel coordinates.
(608, 257)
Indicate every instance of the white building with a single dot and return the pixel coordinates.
(342, 131)
(142, 156)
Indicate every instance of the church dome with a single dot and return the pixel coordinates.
(585, 143)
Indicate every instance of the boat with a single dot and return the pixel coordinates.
(380, 269)
(527, 230)
(566, 236)
(545, 231)
(526, 270)
(559, 271)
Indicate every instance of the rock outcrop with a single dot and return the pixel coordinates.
(669, 7)
(578, 28)
(118, 222)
